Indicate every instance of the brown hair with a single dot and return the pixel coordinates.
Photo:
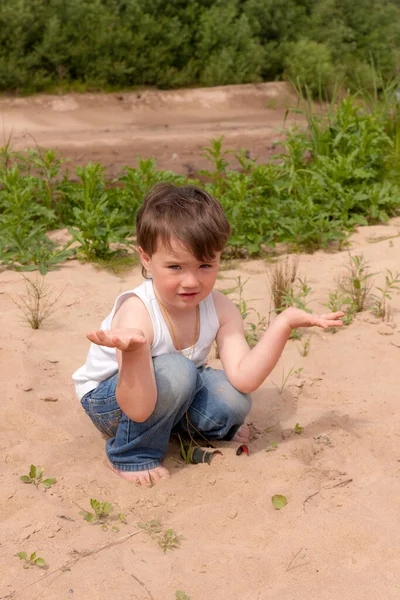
(188, 214)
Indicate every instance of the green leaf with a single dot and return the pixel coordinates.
(95, 504)
(278, 501)
(104, 527)
(32, 472)
(115, 529)
(40, 562)
(32, 556)
(49, 482)
(22, 555)
(39, 475)
(106, 508)
(26, 479)
(298, 429)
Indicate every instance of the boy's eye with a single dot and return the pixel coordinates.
(205, 266)
(174, 267)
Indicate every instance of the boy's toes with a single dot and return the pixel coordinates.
(147, 478)
(242, 436)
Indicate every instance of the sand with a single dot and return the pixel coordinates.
(337, 537)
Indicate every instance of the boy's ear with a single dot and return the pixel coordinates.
(144, 258)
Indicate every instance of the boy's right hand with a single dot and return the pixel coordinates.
(126, 340)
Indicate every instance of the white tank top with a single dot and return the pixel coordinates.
(101, 362)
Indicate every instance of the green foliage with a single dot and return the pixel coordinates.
(284, 380)
(180, 595)
(381, 308)
(36, 477)
(252, 331)
(356, 284)
(102, 515)
(167, 539)
(297, 429)
(31, 560)
(310, 64)
(340, 173)
(105, 44)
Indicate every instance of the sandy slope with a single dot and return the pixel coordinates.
(236, 546)
(173, 126)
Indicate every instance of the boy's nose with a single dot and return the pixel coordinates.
(189, 281)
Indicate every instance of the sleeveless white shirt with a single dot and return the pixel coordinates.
(101, 362)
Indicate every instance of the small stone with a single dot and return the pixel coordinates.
(385, 329)
(232, 514)
(299, 383)
(49, 399)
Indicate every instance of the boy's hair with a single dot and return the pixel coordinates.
(188, 214)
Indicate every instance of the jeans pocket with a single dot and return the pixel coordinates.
(105, 413)
(107, 422)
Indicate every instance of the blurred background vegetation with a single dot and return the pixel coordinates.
(60, 45)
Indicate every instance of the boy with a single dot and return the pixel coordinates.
(144, 376)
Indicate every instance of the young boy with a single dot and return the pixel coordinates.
(145, 373)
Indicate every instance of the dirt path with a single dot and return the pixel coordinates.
(173, 126)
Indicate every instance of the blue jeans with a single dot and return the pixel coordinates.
(213, 406)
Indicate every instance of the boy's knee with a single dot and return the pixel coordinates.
(176, 378)
(237, 403)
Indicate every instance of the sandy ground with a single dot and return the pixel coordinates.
(337, 537)
(174, 126)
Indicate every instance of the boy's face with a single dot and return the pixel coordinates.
(179, 279)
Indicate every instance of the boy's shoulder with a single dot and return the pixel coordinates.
(224, 306)
(133, 314)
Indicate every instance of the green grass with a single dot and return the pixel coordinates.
(341, 172)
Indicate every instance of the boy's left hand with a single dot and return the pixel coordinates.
(300, 318)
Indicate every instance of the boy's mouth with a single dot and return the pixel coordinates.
(188, 295)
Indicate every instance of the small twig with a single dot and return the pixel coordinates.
(142, 584)
(341, 484)
(69, 564)
(309, 498)
(293, 559)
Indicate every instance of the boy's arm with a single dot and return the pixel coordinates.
(246, 369)
(132, 335)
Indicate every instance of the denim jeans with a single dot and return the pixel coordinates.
(213, 406)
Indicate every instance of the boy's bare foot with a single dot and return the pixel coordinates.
(242, 436)
(148, 478)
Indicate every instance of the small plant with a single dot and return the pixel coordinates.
(298, 372)
(357, 284)
(36, 477)
(101, 515)
(39, 302)
(179, 595)
(305, 347)
(284, 380)
(253, 331)
(273, 447)
(186, 448)
(167, 539)
(31, 560)
(298, 429)
(338, 301)
(287, 289)
(380, 308)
